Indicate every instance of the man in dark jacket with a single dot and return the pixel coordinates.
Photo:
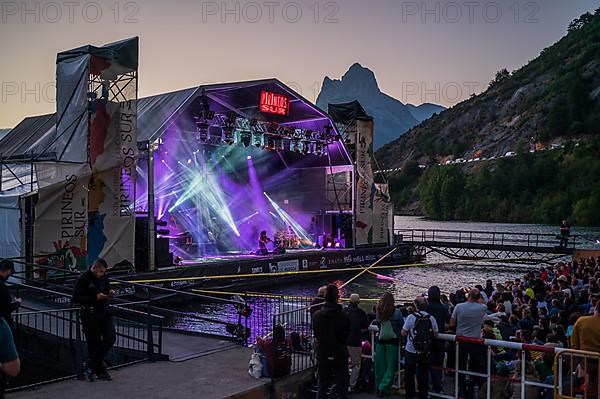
(332, 327)
(92, 291)
(358, 325)
(441, 314)
(7, 305)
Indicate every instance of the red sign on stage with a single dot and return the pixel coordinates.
(273, 103)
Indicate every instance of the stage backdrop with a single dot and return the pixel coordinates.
(372, 199)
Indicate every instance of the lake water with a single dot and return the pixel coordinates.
(406, 283)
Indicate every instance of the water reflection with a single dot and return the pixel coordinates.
(404, 283)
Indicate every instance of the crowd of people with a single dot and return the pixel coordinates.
(549, 307)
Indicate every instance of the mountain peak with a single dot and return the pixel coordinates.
(358, 74)
(392, 117)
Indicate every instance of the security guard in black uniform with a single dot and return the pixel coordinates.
(92, 291)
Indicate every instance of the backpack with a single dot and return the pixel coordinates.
(422, 334)
(386, 331)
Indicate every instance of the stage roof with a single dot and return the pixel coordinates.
(37, 135)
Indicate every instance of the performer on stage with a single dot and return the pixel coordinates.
(262, 243)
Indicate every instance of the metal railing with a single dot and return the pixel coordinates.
(52, 346)
(576, 374)
(297, 324)
(533, 240)
(569, 373)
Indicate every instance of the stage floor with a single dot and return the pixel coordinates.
(249, 256)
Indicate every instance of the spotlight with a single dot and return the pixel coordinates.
(295, 145)
(249, 157)
(189, 161)
(318, 148)
(227, 135)
(246, 138)
(305, 148)
(257, 139)
(202, 134)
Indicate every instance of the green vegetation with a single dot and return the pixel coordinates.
(529, 188)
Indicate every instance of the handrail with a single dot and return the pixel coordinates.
(482, 232)
(134, 284)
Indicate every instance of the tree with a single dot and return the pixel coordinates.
(501, 75)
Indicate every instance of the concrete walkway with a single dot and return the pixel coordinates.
(217, 375)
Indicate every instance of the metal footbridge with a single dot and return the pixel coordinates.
(480, 245)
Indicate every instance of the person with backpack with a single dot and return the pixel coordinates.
(420, 328)
(389, 320)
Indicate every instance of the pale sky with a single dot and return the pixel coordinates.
(421, 51)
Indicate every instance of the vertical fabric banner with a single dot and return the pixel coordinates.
(60, 230)
(372, 199)
(113, 151)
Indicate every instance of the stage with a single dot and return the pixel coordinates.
(252, 271)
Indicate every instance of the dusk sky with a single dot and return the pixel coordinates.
(186, 43)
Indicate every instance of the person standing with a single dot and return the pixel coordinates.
(358, 325)
(7, 305)
(565, 232)
(420, 328)
(467, 318)
(92, 291)
(318, 301)
(332, 328)
(10, 364)
(586, 337)
(390, 323)
(441, 314)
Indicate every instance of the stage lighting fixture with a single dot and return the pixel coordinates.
(305, 147)
(295, 145)
(202, 134)
(227, 135)
(257, 139)
(318, 148)
(249, 157)
(246, 138)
